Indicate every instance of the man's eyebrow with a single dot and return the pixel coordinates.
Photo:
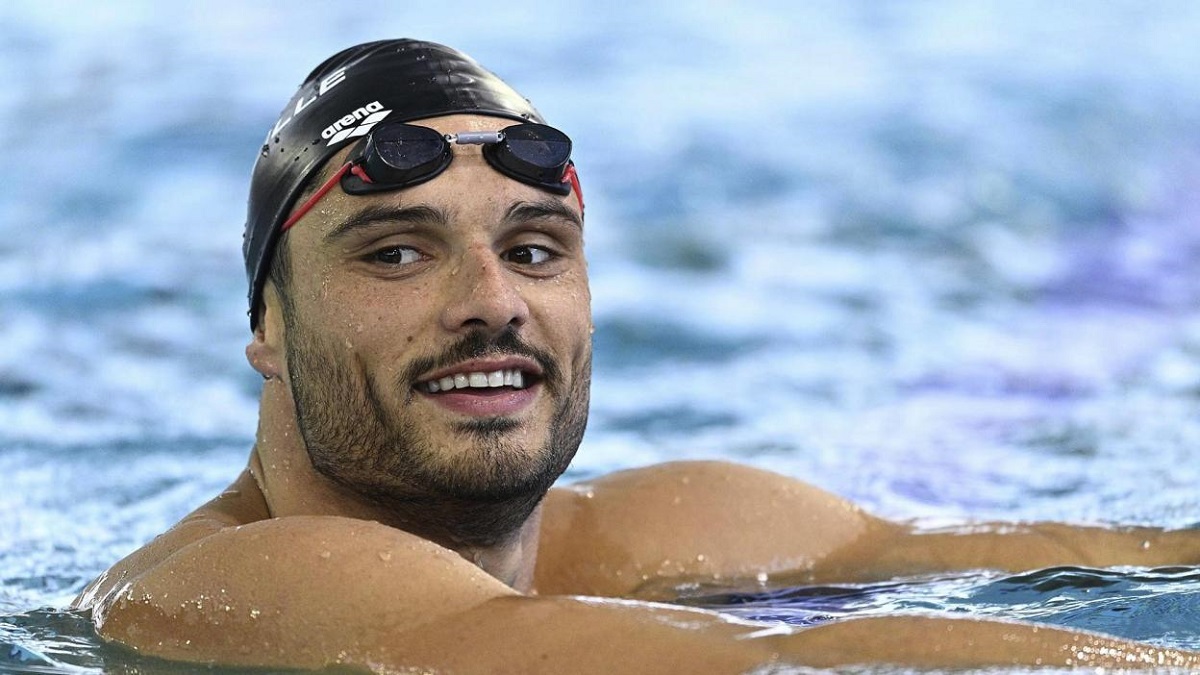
(543, 208)
(380, 213)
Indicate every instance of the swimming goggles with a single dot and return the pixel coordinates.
(397, 155)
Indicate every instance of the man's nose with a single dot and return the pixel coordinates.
(484, 294)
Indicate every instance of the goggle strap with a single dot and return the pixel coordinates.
(570, 176)
(358, 170)
(316, 197)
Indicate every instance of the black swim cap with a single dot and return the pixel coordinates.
(339, 102)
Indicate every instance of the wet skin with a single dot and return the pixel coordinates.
(384, 525)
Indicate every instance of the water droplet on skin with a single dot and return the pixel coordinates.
(701, 558)
(325, 555)
(385, 555)
(254, 613)
(762, 577)
(1145, 545)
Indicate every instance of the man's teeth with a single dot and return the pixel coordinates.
(478, 380)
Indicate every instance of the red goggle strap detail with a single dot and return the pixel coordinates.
(570, 176)
(316, 196)
(358, 170)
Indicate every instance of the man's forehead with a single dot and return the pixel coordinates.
(452, 123)
(379, 216)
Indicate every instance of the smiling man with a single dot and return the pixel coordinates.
(421, 318)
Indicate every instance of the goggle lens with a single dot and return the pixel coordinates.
(532, 153)
(403, 154)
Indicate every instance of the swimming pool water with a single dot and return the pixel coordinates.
(938, 259)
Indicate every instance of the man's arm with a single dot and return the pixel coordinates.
(902, 549)
(639, 532)
(314, 591)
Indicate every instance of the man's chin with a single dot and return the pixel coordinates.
(498, 471)
(488, 428)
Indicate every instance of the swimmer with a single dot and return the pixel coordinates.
(420, 315)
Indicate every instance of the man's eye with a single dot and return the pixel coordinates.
(396, 255)
(527, 255)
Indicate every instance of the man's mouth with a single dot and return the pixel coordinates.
(513, 378)
(496, 386)
(489, 376)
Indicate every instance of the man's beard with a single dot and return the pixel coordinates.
(477, 492)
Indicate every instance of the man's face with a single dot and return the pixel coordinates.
(405, 308)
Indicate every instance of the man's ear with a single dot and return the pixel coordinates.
(266, 352)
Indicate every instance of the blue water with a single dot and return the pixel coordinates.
(935, 257)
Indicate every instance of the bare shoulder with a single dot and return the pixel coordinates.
(698, 520)
(307, 586)
(241, 503)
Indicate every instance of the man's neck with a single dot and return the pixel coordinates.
(291, 486)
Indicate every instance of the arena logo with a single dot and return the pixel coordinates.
(356, 123)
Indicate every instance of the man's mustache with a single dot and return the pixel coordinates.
(481, 344)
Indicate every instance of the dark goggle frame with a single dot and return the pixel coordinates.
(397, 155)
